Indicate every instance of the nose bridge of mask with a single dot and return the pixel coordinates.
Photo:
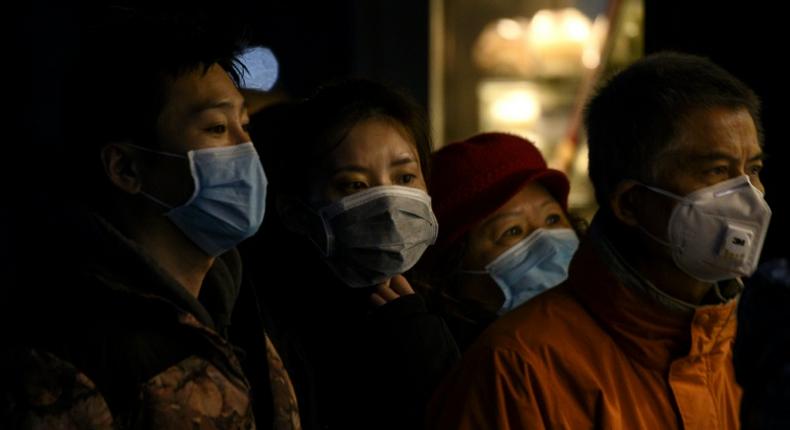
(389, 224)
(377, 200)
(515, 252)
(362, 197)
(154, 151)
(537, 244)
(187, 157)
(722, 189)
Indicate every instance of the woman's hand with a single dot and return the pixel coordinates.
(390, 290)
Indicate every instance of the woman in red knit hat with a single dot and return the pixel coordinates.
(505, 233)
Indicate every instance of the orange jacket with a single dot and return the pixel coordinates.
(593, 353)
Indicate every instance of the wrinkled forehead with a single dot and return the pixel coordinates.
(713, 131)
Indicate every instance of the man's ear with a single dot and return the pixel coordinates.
(626, 201)
(121, 166)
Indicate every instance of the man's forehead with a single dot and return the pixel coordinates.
(717, 120)
(200, 89)
(227, 103)
(714, 127)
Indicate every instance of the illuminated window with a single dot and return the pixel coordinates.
(527, 67)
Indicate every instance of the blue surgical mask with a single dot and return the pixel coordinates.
(531, 266)
(229, 200)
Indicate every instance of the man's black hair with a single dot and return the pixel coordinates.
(118, 80)
(638, 114)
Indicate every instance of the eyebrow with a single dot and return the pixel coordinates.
(714, 156)
(759, 157)
(359, 169)
(217, 104)
(350, 168)
(497, 217)
(408, 159)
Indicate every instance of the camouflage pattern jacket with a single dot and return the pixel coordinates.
(125, 346)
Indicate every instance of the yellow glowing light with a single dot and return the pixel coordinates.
(591, 58)
(553, 43)
(575, 25)
(515, 106)
(542, 26)
(508, 29)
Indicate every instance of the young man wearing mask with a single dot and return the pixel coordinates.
(640, 336)
(170, 185)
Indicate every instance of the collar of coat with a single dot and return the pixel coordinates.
(648, 324)
(123, 266)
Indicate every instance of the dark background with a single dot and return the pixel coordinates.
(744, 37)
(321, 41)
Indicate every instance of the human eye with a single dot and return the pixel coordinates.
(217, 129)
(553, 219)
(347, 187)
(407, 178)
(755, 169)
(512, 231)
(718, 171)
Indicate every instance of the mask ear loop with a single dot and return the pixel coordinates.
(514, 249)
(329, 235)
(166, 154)
(499, 311)
(153, 151)
(309, 230)
(656, 238)
(673, 196)
(156, 200)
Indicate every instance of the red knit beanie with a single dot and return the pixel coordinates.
(473, 178)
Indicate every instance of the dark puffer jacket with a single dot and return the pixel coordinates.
(120, 344)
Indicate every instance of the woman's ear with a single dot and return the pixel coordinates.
(626, 201)
(121, 166)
